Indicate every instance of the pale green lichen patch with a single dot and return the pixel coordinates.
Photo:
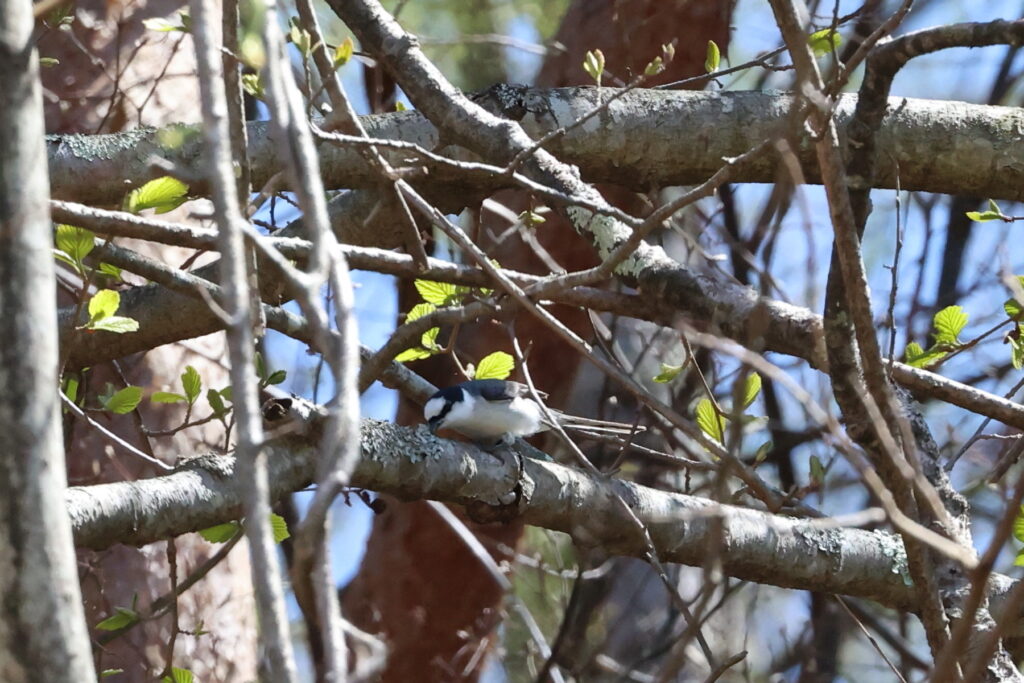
(91, 147)
(892, 547)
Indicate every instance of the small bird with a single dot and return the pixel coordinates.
(490, 409)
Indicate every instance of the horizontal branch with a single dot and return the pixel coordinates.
(410, 464)
(646, 138)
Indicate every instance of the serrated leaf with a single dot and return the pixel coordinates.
(497, 365)
(104, 303)
(192, 383)
(412, 354)
(279, 527)
(115, 323)
(220, 533)
(983, 216)
(178, 676)
(418, 311)
(163, 194)
(436, 293)
(64, 258)
(593, 64)
(121, 618)
(668, 373)
(428, 339)
(824, 41)
(75, 242)
(751, 388)
(949, 322)
(917, 357)
(124, 401)
(343, 53)
(710, 422)
(167, 397)
(713, 57)
(277, 376)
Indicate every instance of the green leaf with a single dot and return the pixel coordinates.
(593, 64)
(192, 383)
(762, 452)
(824, 41)
(917, 357)
(279, 527)
(110, 672)
(497, 365)
(343, 53)
(261, 367)
(213, 397)
(1013, 308)
(1018, 525)
(429, 339)
(412, 354)
(1017, 350)
(983, 216)
(71, 384)
(437, 293)
(400, 106)
(111, 271)
(277, 377)
(713, 58)
(531, 219)
(1019, 560)
(121, 618)
(668, 373)
(817, 470)
(751, 388)
(418, 311)
(115, 323)
(178, 676)
(75, 242)
(161, 24)
(166, 397)
(163, 194)
(252, 84)
(710, 422)
(124, 401)
(654, 67)
(220, 533)
(949, 322)
(103, 304)
(48, 62)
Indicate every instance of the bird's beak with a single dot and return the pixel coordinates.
(433, 426)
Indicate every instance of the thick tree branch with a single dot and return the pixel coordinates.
(647, 138)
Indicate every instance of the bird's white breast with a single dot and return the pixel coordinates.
(478, 418)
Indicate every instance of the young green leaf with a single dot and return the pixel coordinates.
(1017, 350)
(668, 373)
(279, 527)
(300, 38)
(115, 323)
(654, 67)
(1013, 308)
(343, 53)
(1018, 524)
(178, 676)
(751, 388)
(531, 219)
(949, 322)
(415, 353)
(104, 304)
(710, 422)
(917, 357)
(121, 618)
(163, 194)
(400, 106)
(124, 401)
(418, 311)
(167, 397)
(983, 216)
(713, 58)
(593, 64)
(71, 384)
(110, 271)
(817, 470)
(824, 41)
(429, 339)
(277, 376)
(192, 383)
(213, 397)
(252, 84)
(220, 533)
(106, 673)
(762, 452)
(1018, 561)
(497, 365)
(75, 242)
(437, 293)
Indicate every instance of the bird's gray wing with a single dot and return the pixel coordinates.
(498, 390)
